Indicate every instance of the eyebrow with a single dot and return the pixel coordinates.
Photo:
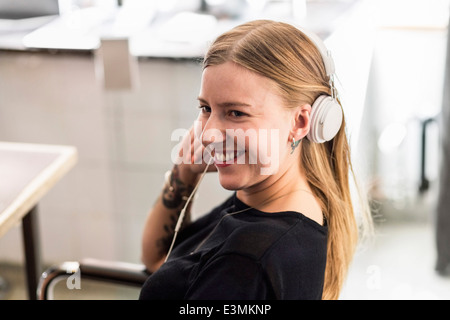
(228, 104)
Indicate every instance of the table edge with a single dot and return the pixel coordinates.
(41, 184)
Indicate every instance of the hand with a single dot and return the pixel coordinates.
(194, 157)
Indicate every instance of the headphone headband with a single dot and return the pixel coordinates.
(324, 52)
(326, 112)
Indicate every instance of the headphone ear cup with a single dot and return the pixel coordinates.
(326, 119)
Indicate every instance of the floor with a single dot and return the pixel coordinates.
(399, 264)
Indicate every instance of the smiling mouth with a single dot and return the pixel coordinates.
(227, 158)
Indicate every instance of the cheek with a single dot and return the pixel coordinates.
(274, 139)
(265, 150)
(272, 151)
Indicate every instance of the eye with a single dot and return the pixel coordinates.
(205, 109)
(236, 114)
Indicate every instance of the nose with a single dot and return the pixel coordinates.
(213, 132)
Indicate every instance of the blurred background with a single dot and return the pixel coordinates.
(116, 78)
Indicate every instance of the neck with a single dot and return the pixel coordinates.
(270, 194)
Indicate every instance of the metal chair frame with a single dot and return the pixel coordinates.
(129, 274)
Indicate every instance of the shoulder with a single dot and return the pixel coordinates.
(279, 235)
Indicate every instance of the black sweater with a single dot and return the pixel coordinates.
(251, 255)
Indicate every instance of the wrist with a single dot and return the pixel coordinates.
(185, 175)
(178, 187)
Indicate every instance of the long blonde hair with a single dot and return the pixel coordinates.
(283, 53)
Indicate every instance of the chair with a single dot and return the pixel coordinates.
(129, 274)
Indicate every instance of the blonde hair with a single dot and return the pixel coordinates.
(283, 53)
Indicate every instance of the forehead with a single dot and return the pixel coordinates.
(229, 81)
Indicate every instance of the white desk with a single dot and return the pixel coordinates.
(27, 173)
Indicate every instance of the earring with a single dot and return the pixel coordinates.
(294, 144)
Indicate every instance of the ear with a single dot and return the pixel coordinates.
(301, 122)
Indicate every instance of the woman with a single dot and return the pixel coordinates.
(289, 233)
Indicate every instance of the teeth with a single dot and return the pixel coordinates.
(240, 153)
(228, 156)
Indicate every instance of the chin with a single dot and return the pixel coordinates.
(232, 179)
(230, 183)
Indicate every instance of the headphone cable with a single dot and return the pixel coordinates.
(183, 211)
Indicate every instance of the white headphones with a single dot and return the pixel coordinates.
(326, 113)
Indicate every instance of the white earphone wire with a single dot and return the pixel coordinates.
(183, 211)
